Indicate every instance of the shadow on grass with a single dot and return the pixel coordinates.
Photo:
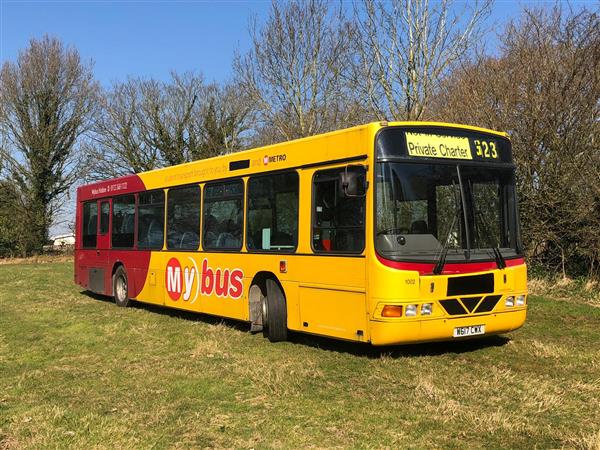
(175, 313)
(399, 351)
(329, 344)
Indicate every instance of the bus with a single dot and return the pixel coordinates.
(386, 233)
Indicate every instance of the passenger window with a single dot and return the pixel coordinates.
(183, 218)
(223, 215)
(151, 219)
(123, 221)
(90, 224)
(272, 223)
(338, 219)
(104, 216)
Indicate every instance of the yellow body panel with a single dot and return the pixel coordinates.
(338, 296)
(440, 329)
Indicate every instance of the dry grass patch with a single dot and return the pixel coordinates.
(38, 259)
(76, 371)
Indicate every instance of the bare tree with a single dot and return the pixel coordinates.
(47, 98)
(169, 114)
(294, 71)
(119, 147)
(404, 48)
(147, 124)
(226, 116)
(544, 88)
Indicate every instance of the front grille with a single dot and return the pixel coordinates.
(470, 305)
(453, 307)
(488, 303)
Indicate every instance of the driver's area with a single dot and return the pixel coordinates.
(417, 209)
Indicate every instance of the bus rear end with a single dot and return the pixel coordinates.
(447, 256)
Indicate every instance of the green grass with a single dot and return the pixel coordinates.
(77, 371)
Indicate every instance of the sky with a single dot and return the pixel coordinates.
(138, 38)
(150, 38)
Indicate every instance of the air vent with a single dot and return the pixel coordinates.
(453, 307)
(238, 165)
(488, 303)
(470, 302)
(473, 284)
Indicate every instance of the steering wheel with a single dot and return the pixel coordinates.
(393, 231)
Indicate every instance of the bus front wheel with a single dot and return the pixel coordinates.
(120, 287)
(274, 308)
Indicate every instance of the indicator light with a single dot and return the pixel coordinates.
(391, 311)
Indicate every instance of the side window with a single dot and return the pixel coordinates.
(151, 219)
(89, 224)
(272, 217)
(338, 219)
(183, 218)
(123, 221)
(104, 216)
(223, 215)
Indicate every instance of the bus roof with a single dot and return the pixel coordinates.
(339, 145)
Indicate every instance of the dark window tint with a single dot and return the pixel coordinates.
(183, 218)
(151, 219)
(123, 221)
(339, 220)
(420, 210)
(223, 215)
(104, 216)
(90, 224)
(272, 223)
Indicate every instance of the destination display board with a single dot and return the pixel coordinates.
(442, 144)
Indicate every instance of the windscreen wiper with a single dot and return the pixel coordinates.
(463, 199)
(439, 266)
(500, 261)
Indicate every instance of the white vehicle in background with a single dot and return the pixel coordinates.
(60, 244)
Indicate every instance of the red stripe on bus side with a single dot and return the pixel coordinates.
(111, 188)
(449, 268)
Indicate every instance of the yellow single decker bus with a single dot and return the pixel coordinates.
(385, 233)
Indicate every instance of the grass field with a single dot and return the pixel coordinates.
(77, 371)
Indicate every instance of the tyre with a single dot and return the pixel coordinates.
(120, 287)
(276, 312)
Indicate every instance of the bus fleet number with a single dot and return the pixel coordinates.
(486, 149)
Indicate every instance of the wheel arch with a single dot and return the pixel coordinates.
(255, 298)
(130, 281)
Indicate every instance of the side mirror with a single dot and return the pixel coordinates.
(353, 182)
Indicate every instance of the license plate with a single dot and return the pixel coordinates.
(473, 330)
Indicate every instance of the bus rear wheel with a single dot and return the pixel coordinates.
(120, 287)
(274, 313)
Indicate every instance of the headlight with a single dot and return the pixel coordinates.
(510, 301)
(426, 309)
(520, 300)
(410, 311)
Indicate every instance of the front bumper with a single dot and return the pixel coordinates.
(391, 332)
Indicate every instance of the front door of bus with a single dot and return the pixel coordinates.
(103, 279)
